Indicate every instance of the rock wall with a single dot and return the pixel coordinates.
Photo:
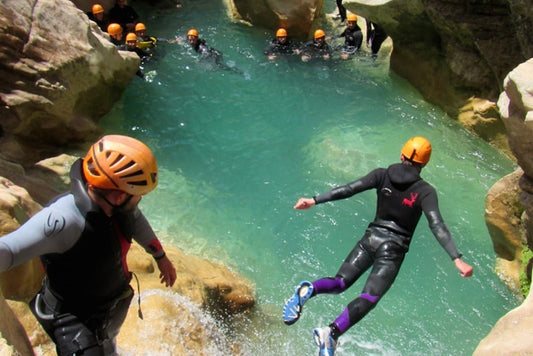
(511, 223)
(454, 49)
(296, 16)
(60, 74)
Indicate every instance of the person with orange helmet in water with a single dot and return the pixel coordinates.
(98, 15)
(402, 197)
(316, 48)
(116, 34)
(279, 46)
(83, 238)
(353, 37)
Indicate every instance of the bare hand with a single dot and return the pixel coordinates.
(464, 268)
(168, 272)
(304, 203)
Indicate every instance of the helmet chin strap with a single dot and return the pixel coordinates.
(116, 208)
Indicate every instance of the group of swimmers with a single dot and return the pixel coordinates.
(123, 18)
(318, 46)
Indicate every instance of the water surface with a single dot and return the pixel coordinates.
(236, 150)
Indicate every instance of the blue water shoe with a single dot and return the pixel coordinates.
(293, 306)
(326, 344)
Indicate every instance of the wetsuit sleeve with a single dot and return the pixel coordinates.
(345, 191)
(54, 229)
(146, 237)
(438, 227)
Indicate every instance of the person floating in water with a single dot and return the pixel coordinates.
(316, 48)
(207, 53)
(131, 43)
(97, 15)
(402, 197)
(280, 45)
(353, 37)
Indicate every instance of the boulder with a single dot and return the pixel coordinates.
(297, 17)
(60, 74)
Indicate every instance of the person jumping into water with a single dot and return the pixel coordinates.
(402, 197)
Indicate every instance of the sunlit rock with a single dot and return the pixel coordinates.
(296, 17)
(60, 74)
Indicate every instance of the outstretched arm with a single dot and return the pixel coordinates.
(304, 203)
(464, 268)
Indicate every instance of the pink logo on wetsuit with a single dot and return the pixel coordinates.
(408, 202)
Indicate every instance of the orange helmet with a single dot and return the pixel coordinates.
(131, 37)
(417, 149)
(114, 29)
(281, 32)
(319, 34)
(121, 163)
(192, 32)
(97, 9)
(352, 17)
(140, 27)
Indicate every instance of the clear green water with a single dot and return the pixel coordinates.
(236, 152)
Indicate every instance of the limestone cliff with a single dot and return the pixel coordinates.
(514, 226)
(59, 75)
(455, 49)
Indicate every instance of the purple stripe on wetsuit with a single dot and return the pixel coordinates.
(370, 298)
(343, 321)
(328, 285)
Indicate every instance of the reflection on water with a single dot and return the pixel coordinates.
(236, 152)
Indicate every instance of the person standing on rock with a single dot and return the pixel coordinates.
(83, 238)
(375, 36)
(402, 197)
(124, 15)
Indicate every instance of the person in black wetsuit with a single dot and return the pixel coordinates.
(342, 11)
(131, 44)
(83, 238)
(280, 45)
(200, 47)
(375, 36)
(353, 37)
(316, 48)
(116, 34)
(124, 15)
(402, 197)
(97, 15)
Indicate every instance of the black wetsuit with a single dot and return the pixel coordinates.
(86, 293)
(314, 49)
(376, 34)
(207, 52)
(353, 38)
(123, 15)
(102, 24)
(276, 48)
(402, 197)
